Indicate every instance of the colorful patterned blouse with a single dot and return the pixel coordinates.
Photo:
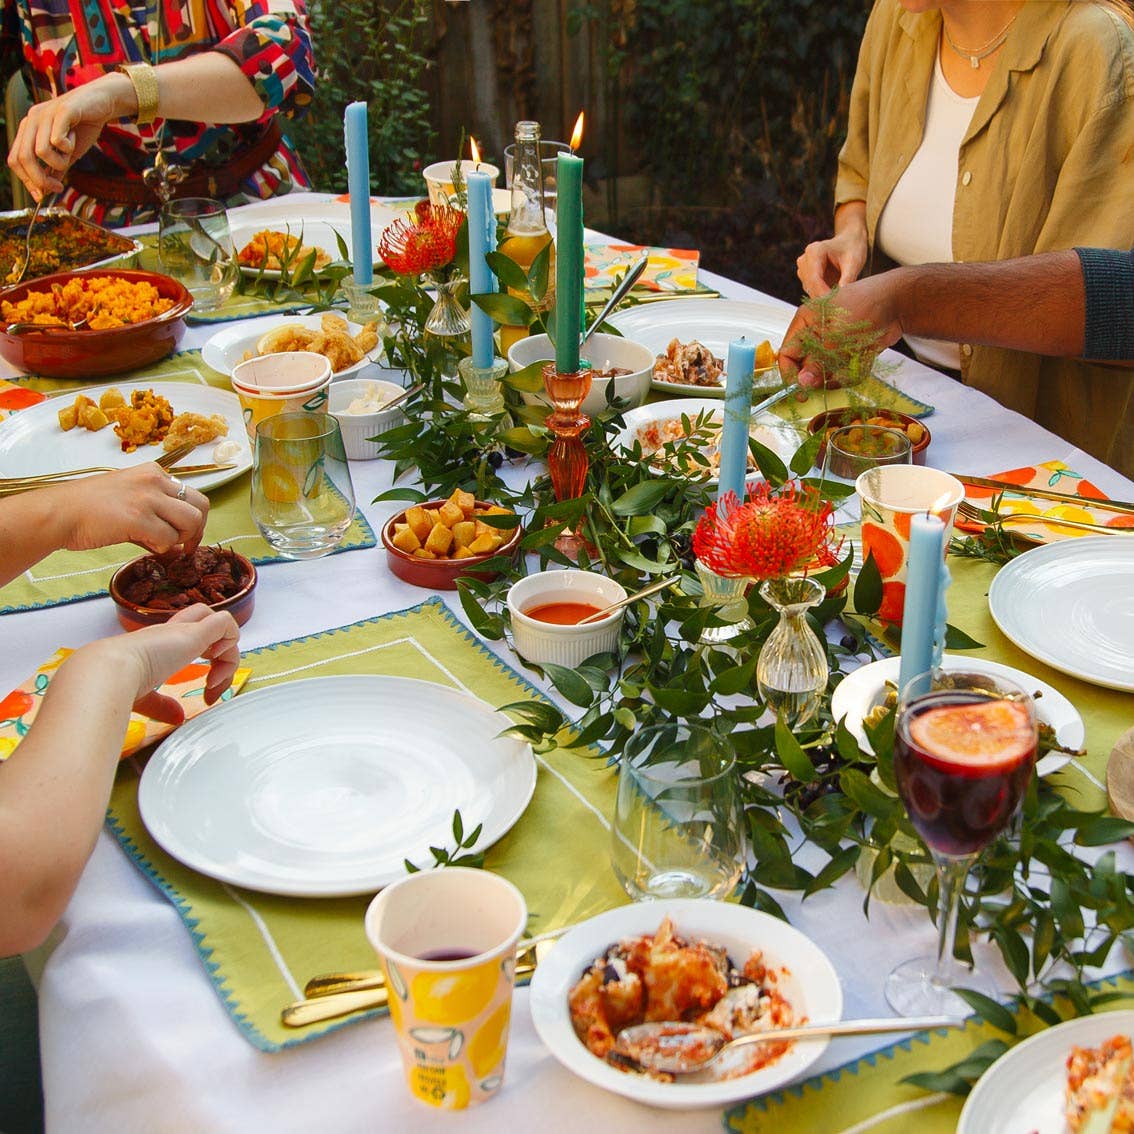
(69, 42)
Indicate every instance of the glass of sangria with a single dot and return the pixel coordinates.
(964, 751)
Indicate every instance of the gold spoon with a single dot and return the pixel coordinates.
(645, 592)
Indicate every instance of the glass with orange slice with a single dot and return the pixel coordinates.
(964, 752)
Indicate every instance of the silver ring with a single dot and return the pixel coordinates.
(181, 486)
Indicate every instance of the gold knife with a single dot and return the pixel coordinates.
(1046, 494)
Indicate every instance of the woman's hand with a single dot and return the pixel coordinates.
(831, 263)
(53, 135)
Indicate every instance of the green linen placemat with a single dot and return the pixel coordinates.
(67, 576)
(183, 366)
(870, 392)
(867, 1094)
(260, 949)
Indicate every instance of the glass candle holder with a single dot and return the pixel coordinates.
(484, 396)
(567, 461)
(362, 306)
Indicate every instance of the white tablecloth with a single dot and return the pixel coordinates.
(134, 1038)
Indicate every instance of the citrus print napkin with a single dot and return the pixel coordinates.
(19, 708)
(1054, 476)
(668, 269)
(14, 397)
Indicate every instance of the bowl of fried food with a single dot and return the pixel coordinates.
(349, 347)
(152, 588)
(830, 420)
(435, 544)
(92, 324)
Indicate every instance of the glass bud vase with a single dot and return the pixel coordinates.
(448, 319)
(792, 669)
(722, 591)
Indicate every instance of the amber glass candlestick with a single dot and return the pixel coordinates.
(567, 462)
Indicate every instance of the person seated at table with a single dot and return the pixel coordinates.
(55, 785)
(196, 87)
(982, 130)
(1072, 304)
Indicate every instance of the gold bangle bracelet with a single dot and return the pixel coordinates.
(144, 79)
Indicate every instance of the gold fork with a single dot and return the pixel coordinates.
(969, 511)
(18, 483)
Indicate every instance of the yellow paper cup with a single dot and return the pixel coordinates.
(446, 941)
(891, 495)
(271, 384)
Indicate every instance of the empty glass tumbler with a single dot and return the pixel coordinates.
(195, 247)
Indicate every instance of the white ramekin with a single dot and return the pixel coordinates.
(358, 428)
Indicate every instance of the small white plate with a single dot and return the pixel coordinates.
(31, 441)
(324, 787)
(812, 988)
(1023, 1091)
(866, 687)
(233, 343)
(1071, 605)
(779, 436)
(714, 323)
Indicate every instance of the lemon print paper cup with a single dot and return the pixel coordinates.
(271, 384)
(446, 941)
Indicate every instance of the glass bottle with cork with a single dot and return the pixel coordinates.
(527, 234)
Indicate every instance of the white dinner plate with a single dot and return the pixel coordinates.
(780, 436)
(232, 344)
(324, 787)
(1023, 1091)
(31, 441)
(866, 687)
(810, 985)
(1071, 605)
(714, 323)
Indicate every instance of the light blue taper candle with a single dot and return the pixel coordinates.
(923, 613)
(738, 403)
(482, 240)
(358, 184)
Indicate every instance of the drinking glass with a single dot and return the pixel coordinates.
(852, 449)
(195, 247)
(678, 829)
(964, 751)
(302, 496)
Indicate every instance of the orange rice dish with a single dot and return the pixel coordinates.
(104, 301)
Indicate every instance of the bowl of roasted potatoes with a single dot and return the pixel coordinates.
(434, 544)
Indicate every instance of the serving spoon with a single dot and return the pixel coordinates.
(682, 1049)
(645, 592)
(619, 293)
(29, 328)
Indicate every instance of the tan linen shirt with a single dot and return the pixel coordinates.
(1047, 164)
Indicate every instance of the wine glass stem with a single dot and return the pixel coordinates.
(951, 873)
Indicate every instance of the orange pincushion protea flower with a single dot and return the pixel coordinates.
(775, 532)
(423, 244)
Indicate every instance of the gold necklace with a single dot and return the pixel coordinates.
(975, 56)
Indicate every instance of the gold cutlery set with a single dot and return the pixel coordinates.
(993, 517)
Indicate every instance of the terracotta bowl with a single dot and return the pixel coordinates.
(441, 574)
(96, 353)
(853, 415)
(133, 616)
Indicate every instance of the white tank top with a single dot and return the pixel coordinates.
(916, 224)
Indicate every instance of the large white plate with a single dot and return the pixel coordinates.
(712, 322)
(31, 441)
(1071, 605)
(779, 436)
(323, 787)
(811, 986)
(1023, 1091)
(233, 343)
(864, 688)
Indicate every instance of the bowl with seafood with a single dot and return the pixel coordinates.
(151, 589)
(679, 962)
(349, 347)
(436, 543)
(619, 367)
(830, 420)
(92, 324)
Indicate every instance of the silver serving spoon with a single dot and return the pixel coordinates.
(20, 267)
(30, 328)
(619, 293)
(682, 1049)
(645, 592)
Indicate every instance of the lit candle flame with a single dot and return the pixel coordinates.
(939, 506)
(474, 150)
(577, 133)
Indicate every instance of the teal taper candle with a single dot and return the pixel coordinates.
(568, 263)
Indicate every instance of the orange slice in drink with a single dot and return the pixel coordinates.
(983, 736)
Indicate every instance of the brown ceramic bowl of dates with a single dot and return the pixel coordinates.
(150, 590)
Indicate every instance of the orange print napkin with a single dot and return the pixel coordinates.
(18, 709)
(668, 269)
(14, 397)
(1057, 477)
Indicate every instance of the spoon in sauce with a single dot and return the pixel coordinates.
(682, 1049)
(645, 592)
